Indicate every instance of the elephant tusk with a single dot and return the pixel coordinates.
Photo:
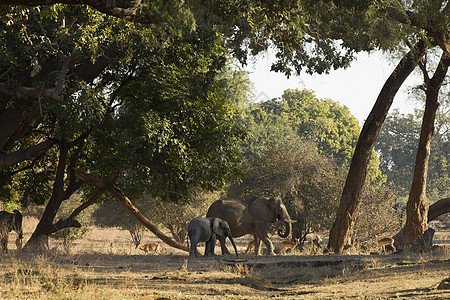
(292, 221)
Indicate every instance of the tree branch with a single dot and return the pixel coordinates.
(133, 10)
(133, 210)
(70, 221)
(9, 160)
(438, 208)
(61, 224)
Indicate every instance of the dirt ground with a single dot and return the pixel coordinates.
(106, 265)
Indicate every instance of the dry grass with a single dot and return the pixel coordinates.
(105, 265)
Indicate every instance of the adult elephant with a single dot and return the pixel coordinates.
(8, 223)
(252, 218)
(207, 230)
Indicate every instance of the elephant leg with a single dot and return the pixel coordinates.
(210, 245)
(4, 244)
(223, 245)
(257, 244)
(265, 238)
(193, 250)
(269, 246)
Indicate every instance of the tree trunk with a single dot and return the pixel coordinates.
(417, 207)
(116, 193)
(437, 209)
(342, 230)
(39, 239)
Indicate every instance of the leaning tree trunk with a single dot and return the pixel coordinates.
(417, 207)
(342, 229)
(116, 193)
(438, 208)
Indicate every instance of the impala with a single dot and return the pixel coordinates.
(250, 247)
(384, 242)
(288, 245)
(150, 247)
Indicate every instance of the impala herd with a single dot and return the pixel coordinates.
(309, 245)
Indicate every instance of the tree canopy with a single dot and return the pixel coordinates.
(143, 109)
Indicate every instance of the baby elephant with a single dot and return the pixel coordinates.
(206, 230)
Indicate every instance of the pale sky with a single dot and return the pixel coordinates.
(357, 87)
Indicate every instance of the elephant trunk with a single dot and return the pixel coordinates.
(287, 230)
(234, 245)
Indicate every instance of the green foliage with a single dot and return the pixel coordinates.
(277, 162)
(397, 148)
(298, 148)
(324, 122)
(158, 117)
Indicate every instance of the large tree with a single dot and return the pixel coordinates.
(411, 19)
(132, 103)
(138, 107)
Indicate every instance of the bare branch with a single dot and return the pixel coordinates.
(438, 208)
(6, 72)
(61, 224)
(44, 33)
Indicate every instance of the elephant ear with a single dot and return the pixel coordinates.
(259, 209)
(217, 227)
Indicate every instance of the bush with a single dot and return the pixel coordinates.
(378, 214)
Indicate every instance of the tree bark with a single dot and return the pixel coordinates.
(116, 193)
(342, 229)
(417, 207)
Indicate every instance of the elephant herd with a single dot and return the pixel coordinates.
(224, 219)
(228, 218)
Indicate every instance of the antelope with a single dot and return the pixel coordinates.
(288, 245)
(250, 247)
(314, 240)
(384, 242)
(149, 247)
